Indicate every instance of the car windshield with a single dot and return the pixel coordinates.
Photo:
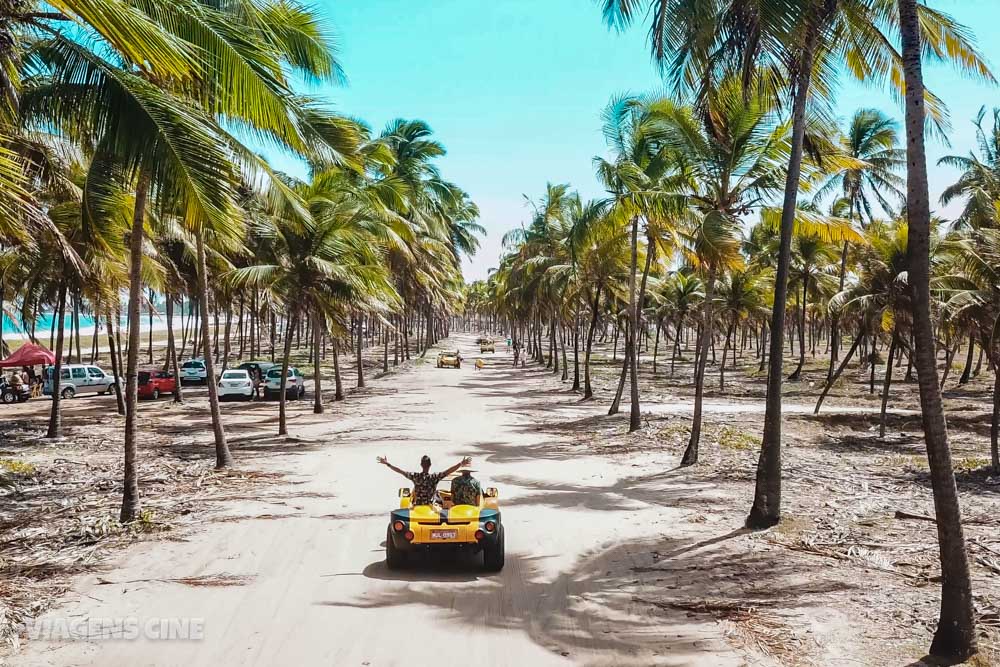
(193, 364)
(235, 375)
(144, 377)
(276, 373)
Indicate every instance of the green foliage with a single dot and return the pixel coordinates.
(16, 467)
(737, 440)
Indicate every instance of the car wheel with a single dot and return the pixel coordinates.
(68, 392)
(9, 397)
(493, 554)
(156, 394)
(394, 558)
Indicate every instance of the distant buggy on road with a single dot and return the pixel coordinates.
(449, 360)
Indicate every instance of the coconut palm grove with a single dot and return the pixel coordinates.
(738, 404)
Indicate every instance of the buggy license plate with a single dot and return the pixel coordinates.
(444, 534)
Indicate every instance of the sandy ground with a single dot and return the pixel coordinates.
(614, 555)
(316, 590)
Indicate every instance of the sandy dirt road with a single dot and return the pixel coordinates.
(314, 589)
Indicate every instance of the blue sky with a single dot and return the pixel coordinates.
(515, 88)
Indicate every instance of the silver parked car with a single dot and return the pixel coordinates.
(81, 379)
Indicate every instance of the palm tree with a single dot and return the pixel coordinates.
(872, 140)
(325, 259)
(742, 296)
(811, 257)
(643, 186)
(680, 295)
(713, 247)
(955, 637)
(979, 183)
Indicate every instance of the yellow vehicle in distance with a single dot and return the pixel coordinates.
(487, 345)
(449, 360)
(434, 530)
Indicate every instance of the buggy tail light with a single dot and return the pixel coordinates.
(398, 526)
(490, 526)
(408, 535)
(480, 534)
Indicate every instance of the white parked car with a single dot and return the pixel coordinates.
(236, 382)
(295, 386)
(81, 379)
(194, 370)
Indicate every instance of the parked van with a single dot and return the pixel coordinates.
(80, 379)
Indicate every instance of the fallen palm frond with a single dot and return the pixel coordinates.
(205, 580)
(854, 553)
(746, 622)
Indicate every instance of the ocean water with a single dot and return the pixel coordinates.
(43, 323)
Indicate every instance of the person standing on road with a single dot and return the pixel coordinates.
(424, 482)
(256, 373)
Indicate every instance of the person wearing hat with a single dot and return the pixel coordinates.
(465, 489)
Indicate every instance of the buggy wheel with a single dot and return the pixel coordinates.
(394, 558)
(493, 555)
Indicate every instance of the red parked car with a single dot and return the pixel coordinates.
(154, 383)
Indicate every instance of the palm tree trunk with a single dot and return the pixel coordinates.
(797, 373)
(565, 360)
(385, 348)
(967, 371)
(635, 419)
(955, 637)
(656, 342)
(76, 326)
(361, 365)
(725, 349)
(588, 389)
(317, 371)
(576, 348)
(887, 383)
(172, 350)
(840, 369)
(677, 343)
(226, 346)
(616, 402)
(766, 509)
(293, 323)
(116, 367)
(835, 319)
(337, 382)
(223, 457)
(949, 358)
(691, 453)
(633, 314)
(55, 414)
(130, 495)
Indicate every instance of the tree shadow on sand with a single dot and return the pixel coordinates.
(628, 604)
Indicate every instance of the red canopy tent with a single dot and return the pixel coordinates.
(28, 354)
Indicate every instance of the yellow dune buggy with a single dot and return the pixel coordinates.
(449, 360)
(487, 345)
(451, 527)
